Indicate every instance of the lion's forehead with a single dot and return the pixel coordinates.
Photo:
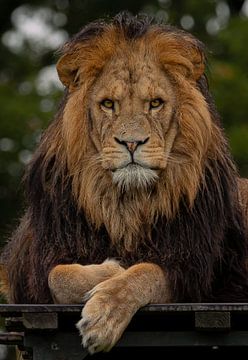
(121, 78)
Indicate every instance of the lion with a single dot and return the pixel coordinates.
(132, 194)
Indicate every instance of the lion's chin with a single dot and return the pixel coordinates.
(134, 176)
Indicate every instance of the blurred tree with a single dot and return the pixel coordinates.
(29, 88)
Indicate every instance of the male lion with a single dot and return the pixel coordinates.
(133, 197)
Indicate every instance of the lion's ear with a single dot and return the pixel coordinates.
(194, 51)
(180, 52)
(67, 69)
(198, 61)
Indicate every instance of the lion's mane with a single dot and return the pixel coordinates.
(194, 227)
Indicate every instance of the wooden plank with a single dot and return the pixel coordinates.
(192, 307)
(180, 307)
(50, 329)
(40, 320)
(213, 320)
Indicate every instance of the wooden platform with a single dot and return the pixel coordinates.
(48, 332)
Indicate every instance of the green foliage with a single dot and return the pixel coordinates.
(229, 86)
(29, 92)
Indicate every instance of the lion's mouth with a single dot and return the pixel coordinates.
(134, 176)
(133, 166)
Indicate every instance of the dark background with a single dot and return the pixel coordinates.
(31, 32)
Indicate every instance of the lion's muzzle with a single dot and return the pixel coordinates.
(131, 145)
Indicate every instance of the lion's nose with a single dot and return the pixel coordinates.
(131, 145)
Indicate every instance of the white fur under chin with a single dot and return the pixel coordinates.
(134, 176)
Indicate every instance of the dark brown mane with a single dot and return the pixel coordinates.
(203, 247)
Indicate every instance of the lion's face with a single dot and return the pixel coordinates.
(132, 106)
(134, 112)
(136, 128)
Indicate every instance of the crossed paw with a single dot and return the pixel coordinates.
(112, 296)
(109, 308)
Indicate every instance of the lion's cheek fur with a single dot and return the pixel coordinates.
(74, 131)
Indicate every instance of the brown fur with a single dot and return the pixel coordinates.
(175, 219)
(243, 198)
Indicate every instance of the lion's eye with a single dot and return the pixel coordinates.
(108, 104)
(156, 103)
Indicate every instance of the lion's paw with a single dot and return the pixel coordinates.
(105, 316)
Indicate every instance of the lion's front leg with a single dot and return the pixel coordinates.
(69, 283)
(112, 304)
